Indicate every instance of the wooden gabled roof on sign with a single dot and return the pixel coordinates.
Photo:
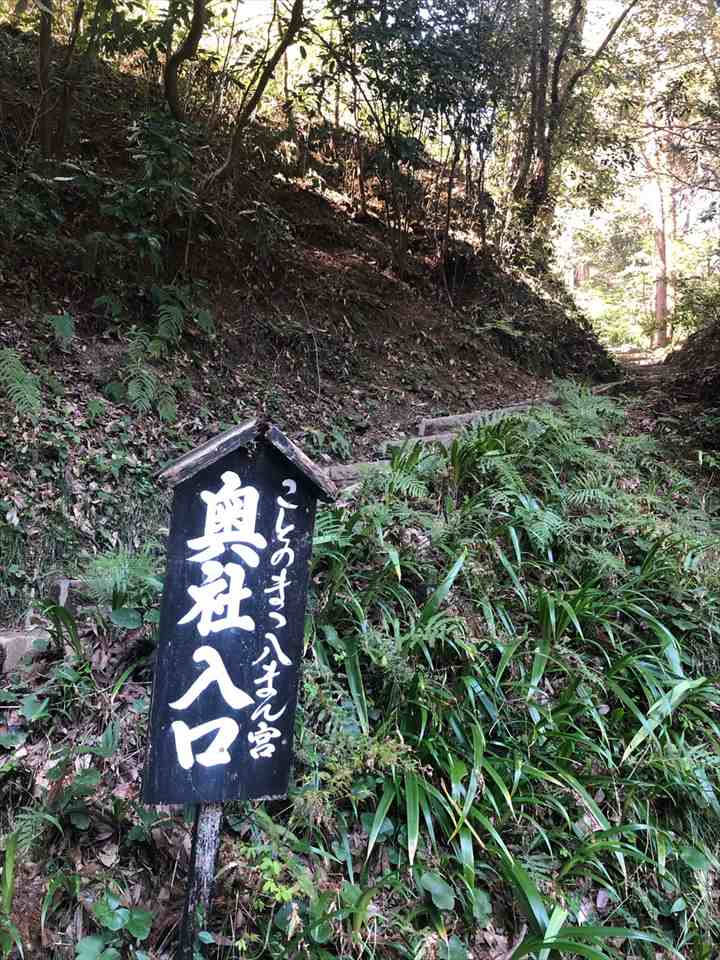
(255, 431)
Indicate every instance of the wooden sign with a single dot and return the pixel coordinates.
(231, 621)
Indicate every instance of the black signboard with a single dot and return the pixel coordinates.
(231, 622)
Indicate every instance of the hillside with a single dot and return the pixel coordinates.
(299, 287)
(137, 309)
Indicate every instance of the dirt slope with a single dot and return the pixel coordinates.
(312, 328)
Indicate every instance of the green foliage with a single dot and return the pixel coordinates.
(146, 389)
(130, 220)
(127, 582)
(121, 926)
(540, 743)
(19, 384)
(269, 229)
(509, 707)
(697, 303)
(63, 328)
(176, 310)
(10, 937)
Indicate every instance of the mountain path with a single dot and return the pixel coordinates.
(444, 430)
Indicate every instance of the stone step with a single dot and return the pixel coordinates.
(15, 645)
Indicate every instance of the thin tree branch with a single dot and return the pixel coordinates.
(562, 50)
(245, 113)
(582, 71)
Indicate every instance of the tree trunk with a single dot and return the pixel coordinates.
(448, 212)
(44, 107)
(69, 78)
(551, 102)
(360, 167)
(528, 144)
(662, 250)
(186, 51)
(251, 102)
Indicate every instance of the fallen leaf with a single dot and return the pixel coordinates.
(108, 856)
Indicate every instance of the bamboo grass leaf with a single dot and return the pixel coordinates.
(432, 605)
(412, 807)
(661, 710)
(386, 801)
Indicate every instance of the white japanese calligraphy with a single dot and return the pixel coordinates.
(283, 557)
(264, 711)
(282, 657)
(282, 531)
(270, 671)
(218, 595)
(216, 753)
(261, 738)
(279, 584)
(230, 521)
(215, 672)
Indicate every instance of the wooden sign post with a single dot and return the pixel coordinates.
(231, 631)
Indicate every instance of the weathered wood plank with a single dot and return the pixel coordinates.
(346, 472)
(207, 453)
(245, 435)
(434, 425)
(439, 425)
(323, 485)
(203, 856)
(446, 439)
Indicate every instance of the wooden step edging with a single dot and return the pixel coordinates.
(444, 430)
(431, 426)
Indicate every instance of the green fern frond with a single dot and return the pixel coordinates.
(139, 346)
(31, 825)
(20, 386)
(141, 387)
(591, 489)
(171, 322)
(63, 327)
(119, 574)
(166, 403)
(407, 486)
(204, 320)
(405, 476)
(542, 526)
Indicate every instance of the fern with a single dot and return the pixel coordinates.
(541, 525)
(402, 484)
(141, 387)
(63, 327)
(20, 386)
(145, 389)
(139, 347)
(166, 402)
(31, 824)
(204, 320)
(171, 323)
(404, 476)
(591, 489)
(119, 575)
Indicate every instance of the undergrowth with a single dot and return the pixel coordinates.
(507, 743)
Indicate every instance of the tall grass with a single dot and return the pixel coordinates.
(511, 688)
